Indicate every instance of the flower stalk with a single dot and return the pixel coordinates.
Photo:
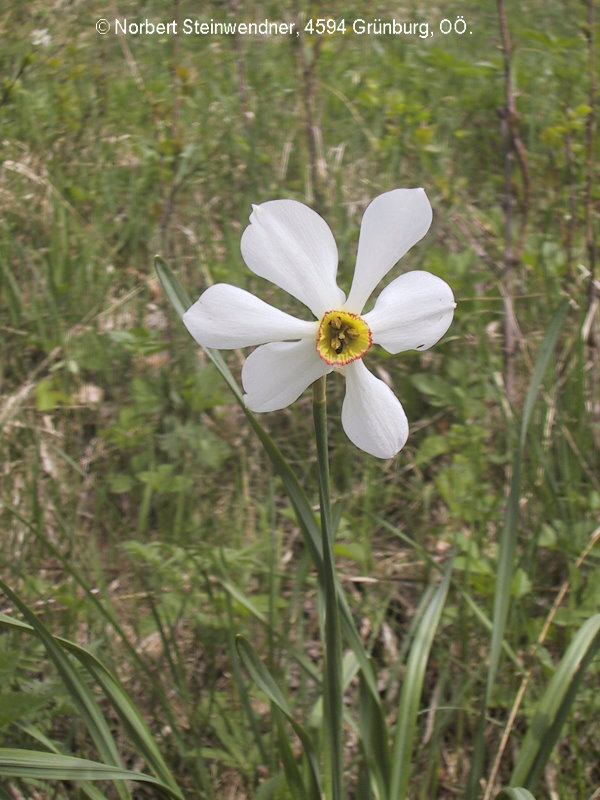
(333, 705)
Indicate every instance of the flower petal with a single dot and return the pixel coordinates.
(227, 317)
(372, 415)
(276, 374)
(412, 313)
(290, 245)
(391, 225)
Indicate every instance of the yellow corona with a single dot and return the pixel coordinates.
(342, 338)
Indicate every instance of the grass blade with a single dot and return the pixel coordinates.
(29, 764)
(263, 679)
(108, 615)
(511, 520)
(87, 788)
(412, 688)
(290, 765)
(173, 289)
(516, 793)
(554, 706)
(508, 542)
(374, 740)
(81, 696)
(140, 735)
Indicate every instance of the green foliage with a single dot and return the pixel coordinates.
(141, 515)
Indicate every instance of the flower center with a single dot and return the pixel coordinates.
(343, 337)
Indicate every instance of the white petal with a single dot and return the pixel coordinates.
(372, 415)
(391, 225)
(290, 245)
(412, 313)
(227, 317)
(276, 374)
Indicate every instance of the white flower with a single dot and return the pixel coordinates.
(293, 247)
(40, 37)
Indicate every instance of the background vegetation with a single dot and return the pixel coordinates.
(140, 516)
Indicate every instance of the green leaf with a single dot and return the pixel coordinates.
(290, 765)
(120, 483)
(173, 289)
(80, 694)
(129, 714)
(87, 788)
(271, 789)
(263, 679)
(554, 706)
(94, 601)
(374, 739)
(438, 390)
(30, 764)
(411, 690)
(508, 541)
(516, 793)
(14, 705)
(511, 520)
(431, 447)
(48, 397)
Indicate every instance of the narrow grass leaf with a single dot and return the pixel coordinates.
(173, 289)
(374, 739)
(81, 696)
(139, 733)
(554, 706)
(511, 519)
(263, 679)
(516, 793)
(541, 364)
(433, 564)
(412, 688)
(293, 650)
(290, 765)
(242, 685)
(508, 541)
(28, 764)
(93, 598)
(88, 789)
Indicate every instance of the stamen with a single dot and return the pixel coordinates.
(342, 338)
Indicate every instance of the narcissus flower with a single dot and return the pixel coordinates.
(293, 247)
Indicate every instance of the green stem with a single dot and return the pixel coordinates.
(332, 669)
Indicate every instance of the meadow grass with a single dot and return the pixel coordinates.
(140, 515)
